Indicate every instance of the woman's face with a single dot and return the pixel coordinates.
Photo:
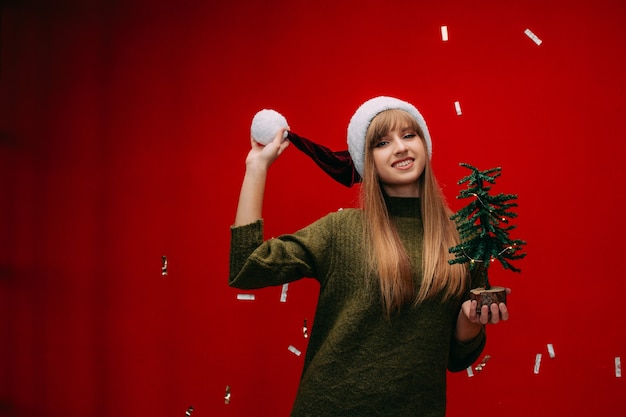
(399, 159)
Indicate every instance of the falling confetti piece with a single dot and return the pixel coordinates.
(247, 297)
(618, 367)
(444, 33)
(551, 350)
(457, 107)
(227, 395)
(470, 373)
(294, 350)
(483, 363)
(537, 363)
(532, 36)
(283, 294)
(305, 330)
(164, 265)
(189, 411)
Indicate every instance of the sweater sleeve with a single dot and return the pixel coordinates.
(255, 263)
(463, 354)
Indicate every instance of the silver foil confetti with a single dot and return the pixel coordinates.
(294, 350)
(618, 367)
(246, 297)
(283, 293)
(305, 330)
(532, 36)
(457, 108)
(444, 33)
(551, 351)
(537, 363)
(189, 411)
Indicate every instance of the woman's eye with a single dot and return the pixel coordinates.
(381, 143)
(409, 136)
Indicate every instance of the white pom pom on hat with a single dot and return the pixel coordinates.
(360, 121)
(265, 124)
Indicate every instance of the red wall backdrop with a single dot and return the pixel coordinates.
(123, 131)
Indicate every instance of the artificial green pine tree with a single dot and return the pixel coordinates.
(483, 225)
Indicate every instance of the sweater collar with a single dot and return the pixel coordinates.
(403, 206)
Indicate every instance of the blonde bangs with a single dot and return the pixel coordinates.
(389, 120)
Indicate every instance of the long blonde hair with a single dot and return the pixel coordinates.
(386, 254)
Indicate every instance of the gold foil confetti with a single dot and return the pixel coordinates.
(163, 265)
(227, 395)
(483, 363)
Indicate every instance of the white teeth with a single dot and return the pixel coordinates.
(403, 163)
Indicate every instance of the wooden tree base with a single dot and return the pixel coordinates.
(487, 297)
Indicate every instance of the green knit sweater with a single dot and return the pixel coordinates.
(358, 363)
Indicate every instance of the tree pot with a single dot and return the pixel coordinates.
(487, 297)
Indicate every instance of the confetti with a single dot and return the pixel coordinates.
(248, 297)
(537, 363)
(457, 107)
(532, 36)
(283, 294)
(305, 330)
(444, 33)
(227, 395)
(470, 373)
(618, 367)
(163, 265)
(294, 350)
(551, 350)
(189, 411)
(483, 363)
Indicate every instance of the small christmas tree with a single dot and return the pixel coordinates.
(484, 229)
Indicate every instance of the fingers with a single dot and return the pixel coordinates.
(492, 314)
(504, 311)
(279, 143)
(484, 314)
(469, 309)
(278, 137)
(284, 142)
(495, 313)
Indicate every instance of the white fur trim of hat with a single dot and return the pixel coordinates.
(362, 118)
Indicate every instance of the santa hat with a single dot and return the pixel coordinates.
(345, 167)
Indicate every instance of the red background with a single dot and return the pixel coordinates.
(124, 128)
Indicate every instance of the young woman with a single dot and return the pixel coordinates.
(392, 315)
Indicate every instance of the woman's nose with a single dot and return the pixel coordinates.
(399, 145)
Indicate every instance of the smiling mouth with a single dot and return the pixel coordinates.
(402, 164)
